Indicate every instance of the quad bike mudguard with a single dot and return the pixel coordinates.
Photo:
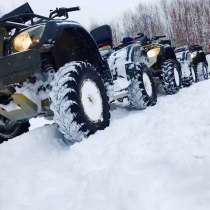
(201, 57)
(71, 42)
(18, 67)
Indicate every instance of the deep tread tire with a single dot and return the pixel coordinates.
(137, 94)
(168, 78)
(204, 75)
(67, 106)
(193, 71)
(17, 130)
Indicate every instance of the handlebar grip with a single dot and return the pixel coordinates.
(72, 9)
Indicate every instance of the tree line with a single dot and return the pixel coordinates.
(183, 21)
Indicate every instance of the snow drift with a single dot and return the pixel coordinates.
(149, 160)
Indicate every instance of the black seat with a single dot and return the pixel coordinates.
(103, 35)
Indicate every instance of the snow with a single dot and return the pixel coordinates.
(39, 122)
(156, 159)
(152, 159)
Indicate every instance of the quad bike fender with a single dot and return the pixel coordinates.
(168, 53)
(200, 58)
(69, 41)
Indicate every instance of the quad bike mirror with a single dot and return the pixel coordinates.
(103, 36)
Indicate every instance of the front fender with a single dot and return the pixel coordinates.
(70, 42)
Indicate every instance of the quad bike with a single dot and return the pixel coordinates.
(184, 57)
(166, 69)
(131, 76)
(50, 67)
(199, 63)
(193, 59)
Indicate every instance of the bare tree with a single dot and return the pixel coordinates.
(183, 21)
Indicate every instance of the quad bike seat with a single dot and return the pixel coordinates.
(142, 38)
(193, 48)
(103, 35)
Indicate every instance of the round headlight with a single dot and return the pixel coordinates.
(22, 42)
(193, 55)
(28, 38)
(153, 52)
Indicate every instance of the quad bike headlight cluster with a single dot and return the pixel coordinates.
(153, 52)
(193, 55)
(28, 39)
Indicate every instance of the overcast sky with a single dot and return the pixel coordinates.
(101, 11)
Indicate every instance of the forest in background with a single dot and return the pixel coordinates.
(183, 21)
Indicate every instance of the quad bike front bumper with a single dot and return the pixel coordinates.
(18, 67)
(14, 69)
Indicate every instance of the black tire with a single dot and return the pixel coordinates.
(17, 129)
(138, 96)
(202, 74)
(67, 104)
(194, 75)
(170, 82)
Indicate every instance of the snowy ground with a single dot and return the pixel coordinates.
(157, 159)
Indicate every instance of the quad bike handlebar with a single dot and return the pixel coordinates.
(157, 37)
(62, 12)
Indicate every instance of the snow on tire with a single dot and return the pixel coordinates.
(141, 91)
(171, 77)
(79, 101)
(202, 71)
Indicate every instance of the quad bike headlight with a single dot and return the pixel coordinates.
(28, 38)
(193, 55)
(22, 42)
(153, 52)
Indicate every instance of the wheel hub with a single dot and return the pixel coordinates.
(91, 100)
(193, 75)
(147, 84)
(176, 77)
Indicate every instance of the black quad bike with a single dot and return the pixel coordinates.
(50, 67)
(163, 62)
(129, 70)
(193, 60)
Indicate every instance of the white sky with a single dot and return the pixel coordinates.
(101, 11)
